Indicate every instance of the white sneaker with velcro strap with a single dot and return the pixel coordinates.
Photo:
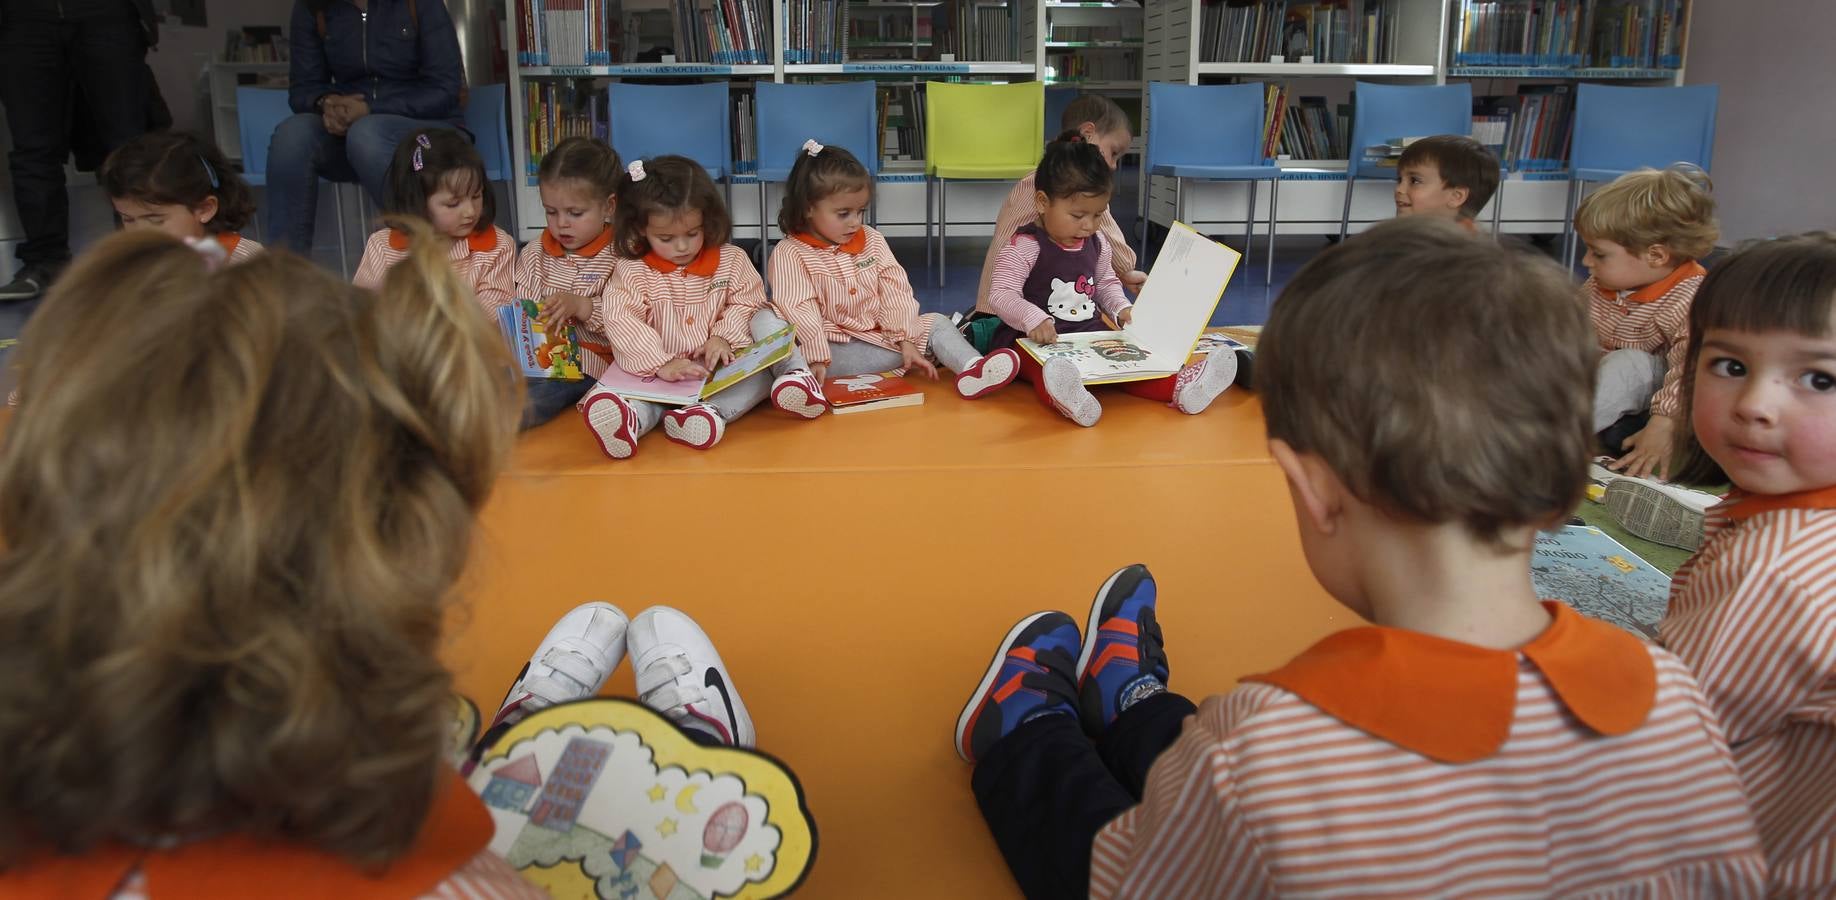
(680, 675)
(572, 662)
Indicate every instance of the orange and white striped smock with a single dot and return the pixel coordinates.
(545, 268)
(1654, 319)
(845, 292)
(656, 311)
(485, 261)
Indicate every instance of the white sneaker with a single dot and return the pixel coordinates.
(611, 420)
(1065, 385)
(572, 662)
(680, 675)
(1659, 513)
(699, 426)
(799, 393)
(1202, 382)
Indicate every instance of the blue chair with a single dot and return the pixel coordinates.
(1210, 132)
(1387, 112)
(1620, 129)
(258, 112)
(841, 115)
(487, 117)
(692, 120)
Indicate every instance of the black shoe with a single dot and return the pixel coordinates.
(29, 283)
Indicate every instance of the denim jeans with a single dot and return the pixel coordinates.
(547, 398)
(302, 151)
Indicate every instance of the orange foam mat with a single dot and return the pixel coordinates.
(856, 572)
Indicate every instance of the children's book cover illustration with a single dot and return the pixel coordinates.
(539, 353)
(1585, 568)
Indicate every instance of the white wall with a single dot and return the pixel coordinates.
(1775, 130)
(178, 64)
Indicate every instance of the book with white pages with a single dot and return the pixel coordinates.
(1172, 310)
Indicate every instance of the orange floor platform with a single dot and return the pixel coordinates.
(855, 572)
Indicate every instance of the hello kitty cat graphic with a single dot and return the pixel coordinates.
(1072, 301)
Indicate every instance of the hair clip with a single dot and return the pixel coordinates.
(424, 144)
(635, 171)
(210, 171)
(812, 147)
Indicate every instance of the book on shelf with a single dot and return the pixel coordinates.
(1571, 33)
(877, 31)
(816, 31)
(1072, 66)
(744, 132)
(1583, 567)
(746, 362)
(1181, 293)
(554, 110)
(1303, 127)
(1529, 131)
(1337, 31)
(868, 393)
(255, 44)
(567, 32)
(901, 123)
(722, 32)
(539, 353)
(976, 31)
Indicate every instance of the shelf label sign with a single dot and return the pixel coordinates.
(647, 69)
(916, 68)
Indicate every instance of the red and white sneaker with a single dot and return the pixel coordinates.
(1065, 385)
(611, 418)
(1204, 381)
(988, 374)
(799, 393)
(697, 426)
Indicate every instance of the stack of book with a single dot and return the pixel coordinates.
(901, 123)
(816, 31)
(978, 32)
(1529, 131)
(1571, 33)
(567, 32)
(723, 32)
(557, 110)
(1303, 127)
(1339, 31)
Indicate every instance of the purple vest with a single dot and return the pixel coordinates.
(1063, 283)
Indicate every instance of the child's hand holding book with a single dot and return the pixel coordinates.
(681, 370)
(715, 353)
(559, 309)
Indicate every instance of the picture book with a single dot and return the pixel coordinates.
(1172, 310)
(1217, 340)
(747, 362)
(606, 799)
(1583, 567)
(538, 353)
(866, 393)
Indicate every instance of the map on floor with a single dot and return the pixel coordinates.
(1584, 568)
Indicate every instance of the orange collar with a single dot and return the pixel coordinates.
(1455, 702)
(704, 265)
(1742, 505)
(478, 243)
(594, 247)
(1658, 289)
(457, 829)
(854, 246)
(229, 240)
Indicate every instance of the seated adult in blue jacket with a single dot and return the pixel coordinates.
(363, 75)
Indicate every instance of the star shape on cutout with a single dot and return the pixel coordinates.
(667, 827)
(755, 862)
(657, 792)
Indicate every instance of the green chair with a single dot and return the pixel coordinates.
(977, 132)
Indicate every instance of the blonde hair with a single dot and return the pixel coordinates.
(1399, 416)
(233, 504)
(1672, 207)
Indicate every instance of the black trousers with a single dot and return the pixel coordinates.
(1046, 789)
(93, 50)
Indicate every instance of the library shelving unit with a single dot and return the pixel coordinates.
(225, 78)
(899, 44)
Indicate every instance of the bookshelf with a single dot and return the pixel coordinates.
(225, 78)
(1094, 46)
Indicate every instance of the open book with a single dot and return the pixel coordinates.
(746, 363)
(1583, 567)
(1173, 309)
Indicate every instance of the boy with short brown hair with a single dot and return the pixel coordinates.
(1447, 176)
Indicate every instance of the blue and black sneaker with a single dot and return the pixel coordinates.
(1029, 677)
(1123, 660)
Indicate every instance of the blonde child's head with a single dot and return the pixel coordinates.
(579, 180)
(1384, 368)
(669, 206)
(1102, 123)
(173, 182)
(1640, 228)
(827, 195)
(1072, 187)
(233, 505)
(1761, 382)
(1450, 176)
(437, 175)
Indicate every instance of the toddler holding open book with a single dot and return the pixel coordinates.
(1053, 277)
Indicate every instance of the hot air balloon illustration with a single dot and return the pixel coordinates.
(724, 830)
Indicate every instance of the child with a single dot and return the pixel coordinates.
(1061, 254)
(679, 303)
(1448, 176)
(1644, 234)
(1473, 739)
(836, 281)
(172, 181)
(1104, 124)
(567, 267)
(437, 175)
(222, 602)
(1753, 612)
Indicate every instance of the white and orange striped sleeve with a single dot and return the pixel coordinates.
(494, 274)
(794, 294)
(1109, 295)
(637, 346)
(1012, 265)
(245, 251)
(897, 307)
(1123, 262)
(745, 297)
(1674, 326)
(377, 258)
(528, 278)
(1190, 834)
(1762, 650)
(1016, 210)
(486, 877)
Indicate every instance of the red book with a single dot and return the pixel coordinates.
(864, 393)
